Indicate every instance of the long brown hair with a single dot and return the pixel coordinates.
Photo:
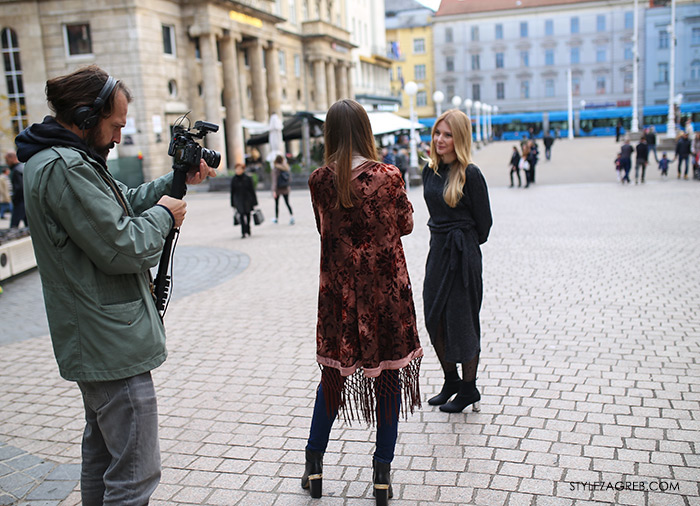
(461, 127)
(347, 131)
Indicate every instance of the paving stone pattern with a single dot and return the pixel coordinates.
(589, 365)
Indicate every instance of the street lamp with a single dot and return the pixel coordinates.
(456, 101)
(438, 97)
(468, 106)
(411, 88)
(671, 125)
(477, 113)
(495, 111)
(487, 122)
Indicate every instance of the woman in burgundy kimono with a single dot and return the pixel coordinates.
(367, 342)
(460, 220)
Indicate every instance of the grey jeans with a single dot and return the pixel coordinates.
(121, 454)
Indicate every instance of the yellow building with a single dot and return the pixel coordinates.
(409, 36)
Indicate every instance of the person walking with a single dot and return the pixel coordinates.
(95, 241)
(626, 160)
(514, 166)
(281, 184)
(650, 136)
(663, 166)
(683, 148)
(17, 182)
(642, 160)
(548, 141)
(366, 336)
(243, 197)
(457, 198)
(5, 187)
(533, 158)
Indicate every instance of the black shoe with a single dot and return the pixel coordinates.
(313, 474)
(468, 394)
(381, 476)
(449, 388)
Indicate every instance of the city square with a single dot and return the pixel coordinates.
(589, 369)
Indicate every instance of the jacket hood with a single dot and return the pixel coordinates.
(47, 134)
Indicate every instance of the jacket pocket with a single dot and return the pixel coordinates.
(125, 312)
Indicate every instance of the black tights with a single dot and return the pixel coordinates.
(277, 204)
(450, 368)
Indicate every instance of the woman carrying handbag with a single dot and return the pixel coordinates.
(243, 198)
(366, 338)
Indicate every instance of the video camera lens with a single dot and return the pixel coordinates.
(212, 157)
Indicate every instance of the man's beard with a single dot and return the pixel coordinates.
(101, 150)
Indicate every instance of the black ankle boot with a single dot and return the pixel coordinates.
(313, 474)
(382, 482)
(449, 388)
(468, 394)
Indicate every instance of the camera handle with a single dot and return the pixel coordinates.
(162, 281)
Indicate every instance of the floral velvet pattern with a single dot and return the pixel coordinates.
(366, 316)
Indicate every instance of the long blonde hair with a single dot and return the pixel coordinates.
(461, 127)
(347, 131)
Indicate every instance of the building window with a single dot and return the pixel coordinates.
(499, 31)
(695, 70)
(663, 39)
(418, 46)
(695, 36)
(169, 40)
(574, 25)
(500, 91)
(197, 50)
(246, 60)
(628, 82)
(476, 64)
(14, 79)
(549, 27)
(475, 33)
(399, 74)
(575, 55)
(450, 90)
(78, 40)
(421, 99)
(476, 91)
(600, 55)
(524, 89)
(499, 60)
(282, 62)
(629, 54)
(575, 86)
(600, 85)
(419, 72)
(305, 10)
(218, 50)
(549, 88)
(549, 57)
(524, 59)
(293, 12)
(448, 35)
(450, 63)
(523, 29)
(297, 65)
(662, 76)
(600, 23)
(629, 20)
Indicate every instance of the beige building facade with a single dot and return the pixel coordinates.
(224, 61)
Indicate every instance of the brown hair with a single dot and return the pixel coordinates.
(78, 89)
(347, 131)
(461, 128)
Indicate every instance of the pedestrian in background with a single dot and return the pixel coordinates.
(683, 148)
(460, 220)
(626, 159)
(243, 197)
(642, 160)
(281, 184)
(366, 338)
(401, 162)
(532, 158)
(650, 136)
(95, 241)
(514, 166)
(548, 141)
(17, 182)
(663, 166)
(618, 167)
(5, 187)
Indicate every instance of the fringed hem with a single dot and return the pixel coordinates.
(359, 396)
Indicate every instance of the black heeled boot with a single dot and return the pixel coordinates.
(382, 482)
(449, 388)
(468, 394)
(313, 474)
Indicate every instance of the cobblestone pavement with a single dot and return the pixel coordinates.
(589, 369)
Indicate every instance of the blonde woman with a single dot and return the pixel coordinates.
(460, 219)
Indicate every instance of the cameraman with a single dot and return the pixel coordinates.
(95, 241)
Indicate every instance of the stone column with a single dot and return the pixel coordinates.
(232, 101)
(330, 80)
(255, 57)
(341, 77)
(274, 89)
(348, 79)
(320, 85)
(212, 93)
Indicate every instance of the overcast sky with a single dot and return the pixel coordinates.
(433, 4)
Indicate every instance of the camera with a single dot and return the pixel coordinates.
(185, 150)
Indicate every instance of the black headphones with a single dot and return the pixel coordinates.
(86, 117)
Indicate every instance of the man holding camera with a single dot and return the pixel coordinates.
(95, 241)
